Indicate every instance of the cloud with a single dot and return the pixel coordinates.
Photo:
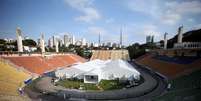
(63, 33)
(96, 30)
(145, 6)
(176, 10)
(90, 13)
(198, 26)
(150, 30)
(143, 29)
(185, 7)
(190, 19)
(168, 12)
(110, 20)
(170, 18)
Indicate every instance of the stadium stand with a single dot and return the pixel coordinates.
(33, 64)
(40, 65)
(110, 54)
(170, 66)
(51, 61)
(11, 79)
(177, 60)
(184, 88)
(78, 58)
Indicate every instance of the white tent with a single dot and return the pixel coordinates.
(96, 70)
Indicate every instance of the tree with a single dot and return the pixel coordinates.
(63, 49)
(2, 42)
(136, 50)
(2, 45)
(29, 42)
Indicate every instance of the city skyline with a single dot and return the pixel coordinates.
(88, 18)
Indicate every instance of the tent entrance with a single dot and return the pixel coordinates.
(90, 78)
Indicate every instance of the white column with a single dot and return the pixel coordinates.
(57, 46)
(19, 40)
(180, 32)
(165, 41)
(42, 43)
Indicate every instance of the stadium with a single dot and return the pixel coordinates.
(116, 67)
(106, 75)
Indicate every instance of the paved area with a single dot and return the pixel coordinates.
(153, 86)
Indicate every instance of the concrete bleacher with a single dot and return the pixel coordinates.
(78, 58)
(33, 64)
(184, 88)
(110, 54)
(170, 67)
(39, 64)
(11, 79)
(177, 60)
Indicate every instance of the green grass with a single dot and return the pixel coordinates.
(88, 86)
(111, 84)
(104, 84)
(185, 87)
(70, 84)
(75, 84)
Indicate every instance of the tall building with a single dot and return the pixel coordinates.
(120, 38)
(91, 44)
(99, 39)
(50, 42)
(60, 42)
(54, 40)
(19, 40)
(84, 42)
(149, 39)
(109, 44)
(67, 40)
(114, 45)
(152, 39)
(73, 40)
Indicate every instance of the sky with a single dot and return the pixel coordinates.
(88, 18)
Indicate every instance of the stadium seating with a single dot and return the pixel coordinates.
(33, 64)
(39, 64)
(169, 67)
(11, 79)
(186, 86)
(178, 60)
(78, 58)
(110, 54)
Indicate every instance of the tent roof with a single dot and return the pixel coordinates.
(104, 69)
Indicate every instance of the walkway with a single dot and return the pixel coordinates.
(153, 86)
